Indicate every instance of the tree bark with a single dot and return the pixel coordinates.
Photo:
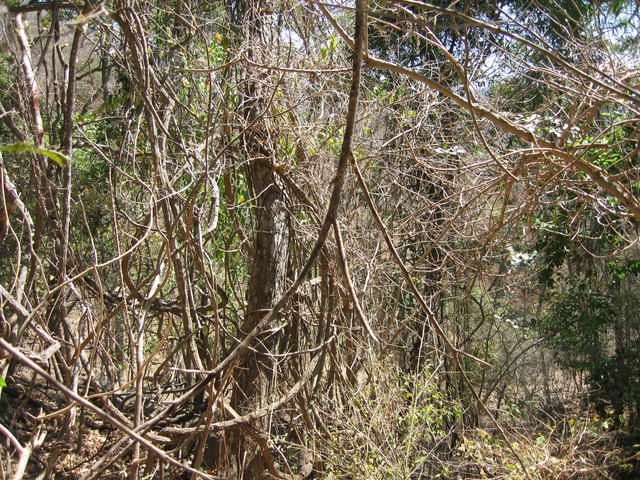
(267, 283)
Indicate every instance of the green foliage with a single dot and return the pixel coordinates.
(591, 334)
(623, 268)
(553, 245)
(398, 426)
(521, 93)
(581, 318)
(553, 19)
(59, 158)
(615, 381)
(388, 28)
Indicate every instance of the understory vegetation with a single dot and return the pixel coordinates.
(271, 239)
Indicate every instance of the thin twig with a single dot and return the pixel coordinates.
(455, 352)
(101, 413)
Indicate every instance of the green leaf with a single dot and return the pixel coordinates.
(2, 382)
(333, 43)
(57, 157)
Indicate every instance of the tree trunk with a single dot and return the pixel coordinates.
(253, 382)
(253, 379)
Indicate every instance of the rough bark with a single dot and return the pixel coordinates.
(267, 283)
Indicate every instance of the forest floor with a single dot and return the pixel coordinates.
(572, 445)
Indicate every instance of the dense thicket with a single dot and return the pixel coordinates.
(264, 239)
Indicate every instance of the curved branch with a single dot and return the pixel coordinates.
(596, 173)
(87, 404)
(433, 321)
